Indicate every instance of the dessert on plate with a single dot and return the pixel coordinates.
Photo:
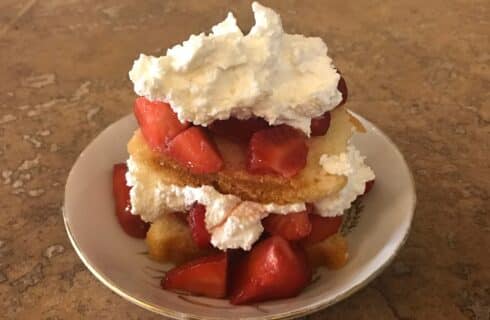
(242, 166)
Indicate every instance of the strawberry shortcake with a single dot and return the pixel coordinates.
(242, 165)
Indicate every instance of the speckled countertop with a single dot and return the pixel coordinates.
(419, 69)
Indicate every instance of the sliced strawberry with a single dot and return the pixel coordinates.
(205, 276)
(194, 150)
(342, 87)
(319, 125)
(280, 150)
(158, 123)
(273, 269)
(368, 187)
(236, 129)
(197, 223)
(292, 226)
(322, 228)
(131, 224)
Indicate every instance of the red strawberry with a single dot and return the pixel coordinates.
(292, 226)
(368, 187)
(342, 87)
(205, 276)
(319, 125)
(131, 224)
(193, 149)
(322, 228)
(197, 223)
(236, 129)
(158, 123)
(273, 269)
(280, 149)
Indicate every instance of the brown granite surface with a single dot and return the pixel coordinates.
(419, 69)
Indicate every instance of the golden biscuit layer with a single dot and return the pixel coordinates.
(312, 184)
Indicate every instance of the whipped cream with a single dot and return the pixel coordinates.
(350, 164)
(283, 78)
(232, 222)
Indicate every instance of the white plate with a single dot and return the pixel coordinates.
(119, 262)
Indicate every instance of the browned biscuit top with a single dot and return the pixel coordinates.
(311, 184)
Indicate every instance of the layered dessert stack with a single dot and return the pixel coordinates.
(242, 164)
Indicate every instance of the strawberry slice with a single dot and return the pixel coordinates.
(280, 150)
(342, 87)
(240, 130)
(319, 125)
(322, 228)
(205, 276)
(197, 223)
(194, 150)
(368, 187)
(292, 226)
(273, 269)
(131, 224)
(158, 123)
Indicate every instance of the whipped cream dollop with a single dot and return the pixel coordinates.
(351, 164)
(232, 222)
(283, 78)
(235, 223)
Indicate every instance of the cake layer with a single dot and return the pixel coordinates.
(313, 183)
